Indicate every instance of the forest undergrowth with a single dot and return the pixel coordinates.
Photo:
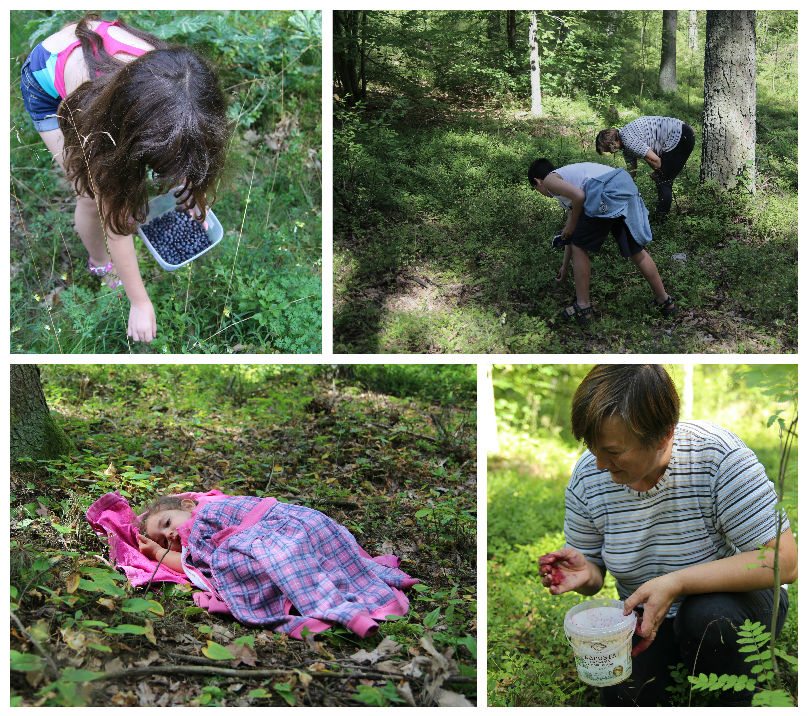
(259, 290)
(441, 246)
(388, 453)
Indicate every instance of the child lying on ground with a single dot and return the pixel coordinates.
(266, 562)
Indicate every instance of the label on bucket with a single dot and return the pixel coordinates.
(604, 658)
(605, 669)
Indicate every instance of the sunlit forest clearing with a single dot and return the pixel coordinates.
(440, 245)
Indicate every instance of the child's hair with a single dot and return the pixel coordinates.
(164, 110)
(608, 140)
(539, 170)
(161, 504)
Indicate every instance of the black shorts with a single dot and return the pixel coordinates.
(591, 232)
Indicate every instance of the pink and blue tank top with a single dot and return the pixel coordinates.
(49, 67)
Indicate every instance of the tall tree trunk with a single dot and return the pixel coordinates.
(494, 26)
(34, 435)
(511, 29)
(348, 59)
(667, 63)
(535, 66)
(643, 27)
(693, 30)
(728, 145)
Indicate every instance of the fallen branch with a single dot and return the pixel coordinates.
(52, 668)
(237, 673)
(257, 673)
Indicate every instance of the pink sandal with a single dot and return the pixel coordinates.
(101, 271)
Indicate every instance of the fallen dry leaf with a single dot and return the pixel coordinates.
(450, 698)
(387, 647)
(72, 582)
(242, 654)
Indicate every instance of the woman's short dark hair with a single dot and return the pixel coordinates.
(642, 396)
(608, 140)
(163, 111)
(539, 169)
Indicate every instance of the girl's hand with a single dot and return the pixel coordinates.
(656, 595)
(564, 570)
(142, 322)
(150, 548)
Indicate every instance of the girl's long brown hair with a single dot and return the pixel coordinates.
(163, 111)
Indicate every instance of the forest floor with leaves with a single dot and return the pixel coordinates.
(452, 252)
(399, 473)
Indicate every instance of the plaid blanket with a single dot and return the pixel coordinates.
(292, 569)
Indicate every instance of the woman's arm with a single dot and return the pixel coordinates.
(142, 321)
(652, 159)
(744, 572)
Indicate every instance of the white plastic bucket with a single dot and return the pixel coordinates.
(600, 637)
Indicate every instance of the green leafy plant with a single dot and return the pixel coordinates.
(755, 642)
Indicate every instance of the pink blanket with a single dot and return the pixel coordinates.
(112, 516)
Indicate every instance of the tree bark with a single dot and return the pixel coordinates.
(494, 27)
(348, 59)
(728, 145)
(693, 30)
(511, 29)
(535, 66)
(34, 434)
(667, 63)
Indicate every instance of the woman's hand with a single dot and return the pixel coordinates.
(565, 570)
(142, 322)
(656, 596)
(150, 548)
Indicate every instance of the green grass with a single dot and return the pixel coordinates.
(260, 289)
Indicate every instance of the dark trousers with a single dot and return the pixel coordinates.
(702, 635)
(672, 164)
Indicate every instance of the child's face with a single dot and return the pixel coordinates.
(162, 528)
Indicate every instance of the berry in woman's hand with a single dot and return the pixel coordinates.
(176, 236)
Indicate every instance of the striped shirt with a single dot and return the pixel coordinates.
(661, 134)
(713, 501)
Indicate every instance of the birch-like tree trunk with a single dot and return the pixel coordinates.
(535, 66)
(693, 30)
(667, 62)
(728, 145)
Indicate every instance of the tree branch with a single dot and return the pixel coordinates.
(52, 668)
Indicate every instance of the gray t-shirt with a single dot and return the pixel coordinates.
(577, 175)
(713, 501)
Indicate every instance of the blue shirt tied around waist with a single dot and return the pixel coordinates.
(613, 195)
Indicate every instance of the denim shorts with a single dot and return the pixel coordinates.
(41, 107)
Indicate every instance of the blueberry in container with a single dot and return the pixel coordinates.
(173, 237)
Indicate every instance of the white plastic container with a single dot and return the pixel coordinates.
(600, 637)
(162, 205)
